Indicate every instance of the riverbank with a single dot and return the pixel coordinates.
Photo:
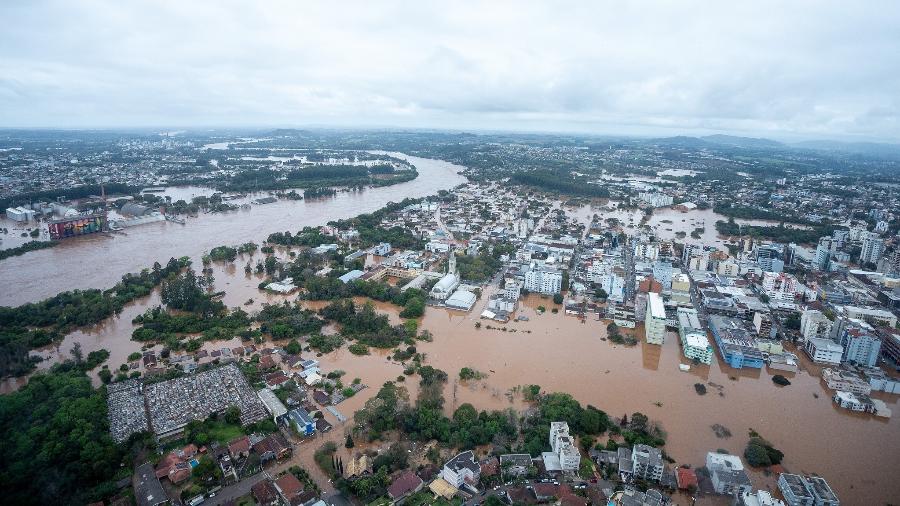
(102, 259)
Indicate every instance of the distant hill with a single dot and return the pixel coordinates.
(865, 148)
(681, 141)
(743, 142)
(711, 141)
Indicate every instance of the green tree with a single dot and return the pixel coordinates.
(233, 415)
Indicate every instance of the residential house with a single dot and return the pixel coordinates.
(289, 488)
(264, 493)
(403, 485)
(727, 474)
(461, 469)
(239, 448)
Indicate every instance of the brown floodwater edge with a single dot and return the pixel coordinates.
(557, 352)
(562, 353)
(100, 260)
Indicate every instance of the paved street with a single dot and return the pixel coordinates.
(236, 490)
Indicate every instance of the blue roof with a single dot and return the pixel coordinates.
(301, 417)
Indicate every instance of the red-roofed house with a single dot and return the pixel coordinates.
(288, 487)
(266, 362)
(264, 493)
(686, 478)
(239, 448)
(405, 484)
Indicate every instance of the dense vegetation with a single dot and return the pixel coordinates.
(559, 182)
(56, 443)
(25, 248)
(755, 213)
(761, 453)
(32, 325)
(364, 324)
(286, 321)
(480, 268)
(778, 233)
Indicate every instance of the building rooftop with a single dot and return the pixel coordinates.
(465, 460)
(148, 491)
(655, 306)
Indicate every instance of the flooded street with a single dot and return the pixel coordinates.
(99, 261)
(557, 352)
(668, 223)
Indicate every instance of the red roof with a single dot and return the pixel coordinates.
(264, 492)
(685, 477)
(289, 486)
(572, 500)
(405, 483)
(239, 445)
(546, 490)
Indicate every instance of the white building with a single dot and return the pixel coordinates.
(437, 247)
(544, 280)
(853, 402)
(872, 248)
(462, 300)
(655, 199)
(614, 286)
(728, 474)
(781, 286)
(563, 446)
(814, 324)
(461, 469)
(760, 498)
(845, 381)
(655, 319)
(822, 259)
(272, 404)
(823, 351)
(445, 287)
(694, 343)
(646, 462)
(19, 214)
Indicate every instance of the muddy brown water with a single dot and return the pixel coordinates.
(858, 454)
(100, 260)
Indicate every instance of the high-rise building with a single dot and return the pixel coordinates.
(563, 446)
(543, 279)
(655, 319)
(872, 248)
(814, 324)
(822, 259)
(694, 343)
(768, 259)
(861, 345)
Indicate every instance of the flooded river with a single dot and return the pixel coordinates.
(859, 455)
(560, 353)
(99, 261)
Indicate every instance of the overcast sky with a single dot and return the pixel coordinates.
(783, 69)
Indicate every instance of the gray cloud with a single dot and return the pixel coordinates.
(804, 68)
